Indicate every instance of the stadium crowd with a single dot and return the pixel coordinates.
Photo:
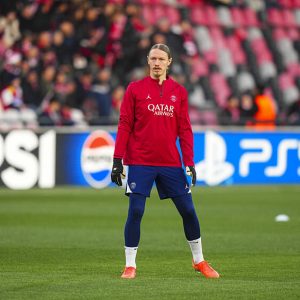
(67, 63)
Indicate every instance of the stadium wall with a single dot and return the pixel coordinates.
(50, 158)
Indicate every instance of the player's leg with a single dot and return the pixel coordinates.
(172, 183)
(139, 184)
(185, 207)
(132, 232)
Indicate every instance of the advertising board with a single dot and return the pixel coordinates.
(48, 159)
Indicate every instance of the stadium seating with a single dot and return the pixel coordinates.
(240, 46)
(232, 37)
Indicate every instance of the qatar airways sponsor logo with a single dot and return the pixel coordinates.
(162, 110)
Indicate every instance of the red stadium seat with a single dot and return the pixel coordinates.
(203, 117)
(197, 15)
(173, 15)
(218, 38)
(195, 115)
(211, 56)
(275, 17)
(279, 33)
(211, 15)
(148, 15)
(250, 17)
(199, 67)
(220, 87)
(288, 18)
(190, 3)
(293, 34)
(238, 55)
(159, 12)
(149, 2)
(285, 81)
(261, 50)
(209, 117)
(294, 69)
(238, 17)
(286, 3)
(288, 88)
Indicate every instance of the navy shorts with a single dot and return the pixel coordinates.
(170, 181)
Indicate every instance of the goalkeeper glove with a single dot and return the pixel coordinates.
(118, 172)
(190, 171)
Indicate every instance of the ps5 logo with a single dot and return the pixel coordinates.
(260, 151)
(256, 152)
(214, 169)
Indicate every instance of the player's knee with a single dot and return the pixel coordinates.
(189, 213)
(137, 207)
(137, 213)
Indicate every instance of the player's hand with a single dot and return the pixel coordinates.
(190, 171)
(117, 172)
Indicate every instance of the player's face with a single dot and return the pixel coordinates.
(158, 62)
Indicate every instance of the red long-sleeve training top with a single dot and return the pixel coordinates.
(152, 117)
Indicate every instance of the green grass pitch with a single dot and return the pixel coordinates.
(67, 243)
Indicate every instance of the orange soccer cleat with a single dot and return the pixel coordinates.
(204, 268)
(129, 273)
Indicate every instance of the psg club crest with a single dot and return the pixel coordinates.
(97, 158)
(173, 98)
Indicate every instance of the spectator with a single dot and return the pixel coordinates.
(11, 67)
(32, 57)
(293, 114)
(27, 13)
(9, 28)
(101, 93)
(55, 114)
(69, 44)
(83, 88)
(44, 40)
(43, 15)
(32, 93)
(12, 95)
(248, 108)
(117, 98)
(60, 51)
(189, 42)
(230, 115)
(265, 116)
(174, 40)
(129, 40)
(47, 81)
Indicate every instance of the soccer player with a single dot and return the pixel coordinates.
(154, 113)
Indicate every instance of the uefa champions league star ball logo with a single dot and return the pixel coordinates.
(96, 158)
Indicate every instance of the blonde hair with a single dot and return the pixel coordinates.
(162, 47)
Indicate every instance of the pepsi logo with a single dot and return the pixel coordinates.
(97, 158)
